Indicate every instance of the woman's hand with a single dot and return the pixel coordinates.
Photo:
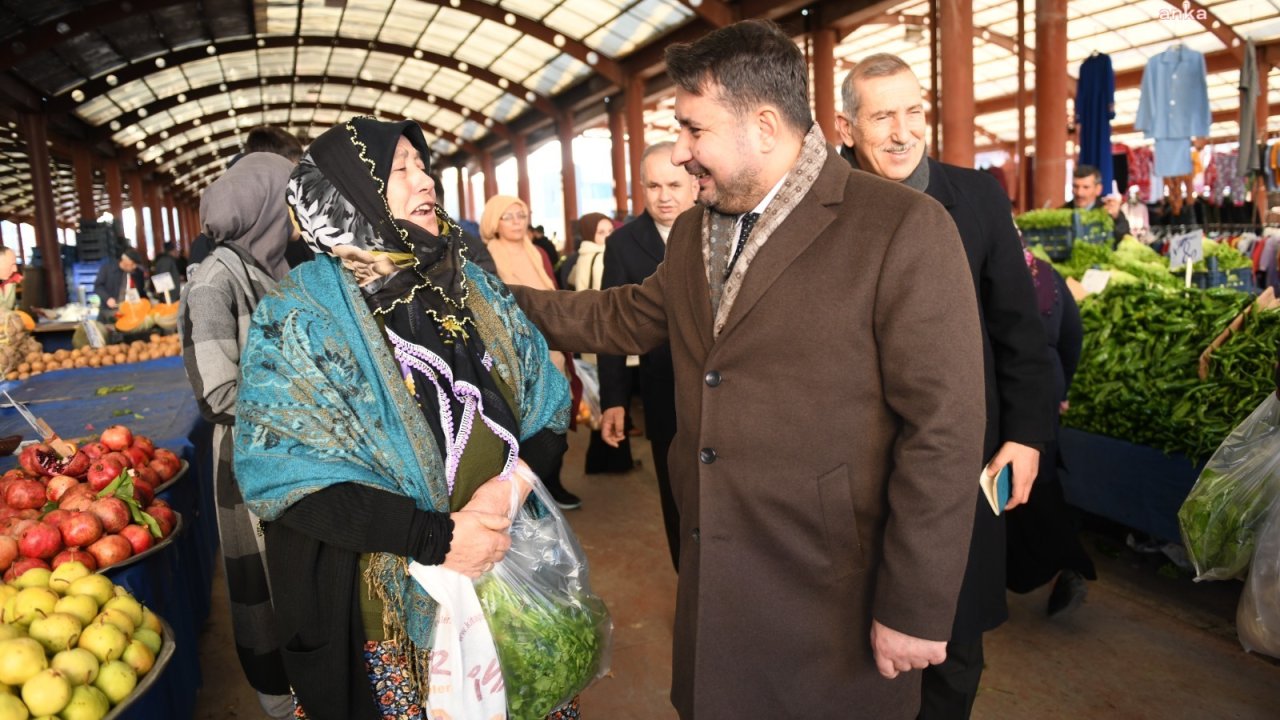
(480, 541)
(494, 496)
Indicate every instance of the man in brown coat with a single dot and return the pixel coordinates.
(829, 396)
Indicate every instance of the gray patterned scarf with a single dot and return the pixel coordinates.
(717, 229)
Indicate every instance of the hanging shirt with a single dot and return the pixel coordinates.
(1095, 108)
(1174, 107)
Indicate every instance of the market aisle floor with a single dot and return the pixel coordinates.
(1143, 645)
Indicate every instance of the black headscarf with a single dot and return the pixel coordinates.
(338, 194)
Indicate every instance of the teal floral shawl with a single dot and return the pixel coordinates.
(322, 402)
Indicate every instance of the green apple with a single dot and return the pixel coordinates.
(116, 680)
(35, 577)
(12, 708)
(47, 692)
(126, 604)
(79, 665)
(96, 586)
(56, 631)
(139, 657)
(83, 607)
(118, 618)
(33, 602)
(150, 638)
(151, 621)
(20, 659)
(87, 703)
(67, 573)
(9, 632)
(104, 640)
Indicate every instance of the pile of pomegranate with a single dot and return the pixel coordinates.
(95, 506)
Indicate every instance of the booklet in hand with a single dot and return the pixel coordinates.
(996, 488)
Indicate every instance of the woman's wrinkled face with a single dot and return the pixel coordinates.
(514, 223)
(411, 193)
(604, 230)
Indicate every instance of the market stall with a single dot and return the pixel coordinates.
(154, 399)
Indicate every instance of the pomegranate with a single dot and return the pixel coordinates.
(147, 475)
(24, 494)
(137, 457)
(78, 498)
(159, 502)
(16, 525)
(120, 459)
(163, 469)
(143, 492)
(102, 473)
(8, 550)
(73, 555)
(40, 541)
(58, 485)
(117, 437)
(53, 517)
(43, 461)
(144, 443)
(138, 536)
(95, 450)
(165, 517)
(113, 513)
(14, 474)
(110, 549)
(22, 565)
(80, 529)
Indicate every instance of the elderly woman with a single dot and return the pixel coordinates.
(504, 228)
(388, 390)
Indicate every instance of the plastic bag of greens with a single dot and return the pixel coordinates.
(553, 634)
(1233, 496)
(1258, 616)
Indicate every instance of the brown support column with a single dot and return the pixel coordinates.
(82, 169)
(956, 101)
(490, 175)
(155, 226)
(1051, 103)
(521, 148)
(564, 128)
(115, 188)
(824, 82)
(1020, 149)
(618, 155)
(463, 212)
(138, 195)
(635, 140)
(935, 83)
(470, 195)
(36, 136)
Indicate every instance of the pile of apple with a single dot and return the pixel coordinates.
(72, 644)
(94, 504)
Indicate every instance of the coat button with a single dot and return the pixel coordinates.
(707, 455)
(712, 377)
(694, 534)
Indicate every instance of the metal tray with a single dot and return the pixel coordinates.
(183, 465)
(132, 559)
(167, 647)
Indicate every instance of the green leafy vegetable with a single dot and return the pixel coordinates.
(1220, 521)
(122, 487)
(109, 389)
(549, 651)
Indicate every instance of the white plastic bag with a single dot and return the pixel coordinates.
(1234, 495)
(1258, 616)
(589, 374)
(466, 679)
(553, 634)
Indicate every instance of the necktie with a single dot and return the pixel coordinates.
(748, 222)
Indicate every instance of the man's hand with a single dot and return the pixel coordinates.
(1063, 407)
(111, 302)
(1026, 465)
(613, 425)
(1112, 204)
(897, 652)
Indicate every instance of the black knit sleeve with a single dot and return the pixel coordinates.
(543, 452)
(364, 519)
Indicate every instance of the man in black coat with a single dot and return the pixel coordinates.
(631, 254)
(883, 132)
(116, 279)
(1086, 194)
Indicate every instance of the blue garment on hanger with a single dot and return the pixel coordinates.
(1095, 108)
(1174, 105)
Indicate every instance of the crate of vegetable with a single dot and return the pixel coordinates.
(1059, 230)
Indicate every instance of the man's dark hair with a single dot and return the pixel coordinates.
(1084, 171)
(753, 62)
(133, 255)
(266, 138)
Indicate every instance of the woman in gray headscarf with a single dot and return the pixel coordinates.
(245, 214)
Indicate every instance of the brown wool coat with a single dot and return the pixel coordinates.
(827, 448)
